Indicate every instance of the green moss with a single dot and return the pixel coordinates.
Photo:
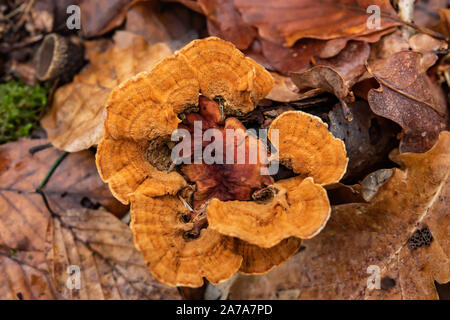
(20, 108)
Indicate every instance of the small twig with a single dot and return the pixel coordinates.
(15, 11)
(24, 16)
(6, 47)
(41, 147)
(426, 31)
(52, 169)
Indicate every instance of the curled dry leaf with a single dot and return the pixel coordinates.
(336, 75)
(403, 231)
(171, 205)
(41, 238)
(74, 121)
(284, 89)
(407, 97)
(394, 43)
(287, 21)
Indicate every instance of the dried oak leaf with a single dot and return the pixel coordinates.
(42, 235)
(407, 97)
(287, 21)
(170, 208)
(403, 231)
(74, 121)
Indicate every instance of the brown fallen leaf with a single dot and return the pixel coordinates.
(394, 43)
(299, 57)
(174, 24)
(286, 21)
(284, 90)
(101, 16)
(191, 4)
(42, 15)
(336, 75)
(444, 23)
(403, 231)
(142, 19)
(426, 13)
(408, 97)
(42, 234)
(225, 21)
(384, 49)
(74, 184)
(90, 243)
(102, 246)
(75, 119)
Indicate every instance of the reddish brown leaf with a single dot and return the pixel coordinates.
(101, 16)
(225, 21)
(407, 97)
(172, 24)
(286, 21)
(426, 13)
(299, 57)
(336, 75)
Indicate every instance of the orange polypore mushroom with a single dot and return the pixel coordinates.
(201, 219)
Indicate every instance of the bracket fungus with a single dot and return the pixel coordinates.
(199, 218)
